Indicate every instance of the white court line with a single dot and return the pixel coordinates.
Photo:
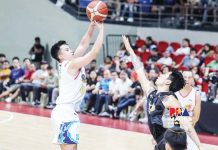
(8, 119)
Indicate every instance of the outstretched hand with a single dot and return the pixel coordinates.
(92, 23)
(100, 25)
(127, 44)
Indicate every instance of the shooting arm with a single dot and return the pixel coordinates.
(79, 62)
(84, 43)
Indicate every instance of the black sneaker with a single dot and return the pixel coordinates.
(35, 103)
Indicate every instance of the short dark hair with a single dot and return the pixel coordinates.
(16, 58)
(94, 60)
(26, 59)
(193, 49)
(6, 61)
(37, 39)
(108, 56)
(149, 38)
(49, 67)
(56, 48)
(187, 40)
(176, 138)
(177, 81)
(2, 55)
(138, 91)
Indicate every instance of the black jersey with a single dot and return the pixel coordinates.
(155, 110)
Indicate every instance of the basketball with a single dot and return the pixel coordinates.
(97, 11)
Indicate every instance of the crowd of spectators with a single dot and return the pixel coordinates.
(198, 11)
(113, 89)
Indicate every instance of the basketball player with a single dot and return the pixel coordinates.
(175, 139)
(160, 100)
(65, 120)
(189, 98)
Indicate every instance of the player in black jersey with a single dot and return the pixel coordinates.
(160, 99)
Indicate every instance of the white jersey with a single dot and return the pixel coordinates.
(188, 101)
(71, 88)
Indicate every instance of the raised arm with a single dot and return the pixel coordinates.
(186, 125)
(197, 109)
(77, 63)
(139, 67)
(84, 43)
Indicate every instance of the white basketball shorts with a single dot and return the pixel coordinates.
(65, 124)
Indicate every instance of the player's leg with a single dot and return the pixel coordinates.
(68, 146)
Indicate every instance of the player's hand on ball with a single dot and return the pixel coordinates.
(100, 25)
(92, 23)
(127, 44)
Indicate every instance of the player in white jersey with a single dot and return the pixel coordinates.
(189, 97)
(65, 120)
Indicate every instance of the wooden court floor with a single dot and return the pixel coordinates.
(28, 132)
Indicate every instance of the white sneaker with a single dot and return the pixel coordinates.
(104, 114)
(22, 102)
(8, 100)
(143, 120)
(133, 116)
(130, 19)
(111, 108)
(121, 19)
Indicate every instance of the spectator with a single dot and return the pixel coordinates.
(125, 101)
(213, 64)
(102, 90)
(15, 76)
(92, 67)
(185, 49)
(116, 61)
(129, 4)
(37, 52)
(166, 60)
(2, 59)
(124, 84)
(37, 79)
(122, 53)
(204, 52)
(144, 6)
(214, 4)
(108, 64)
(116, 4)
(113, 94)
(4, 74)
(120, 90)
(27, 78)
(17, 72)
(154, 55)
(47, 86)
(92, 101)
(26, 62)
(149, 42)
(216, 49)
(190, 61)
(88, 99)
